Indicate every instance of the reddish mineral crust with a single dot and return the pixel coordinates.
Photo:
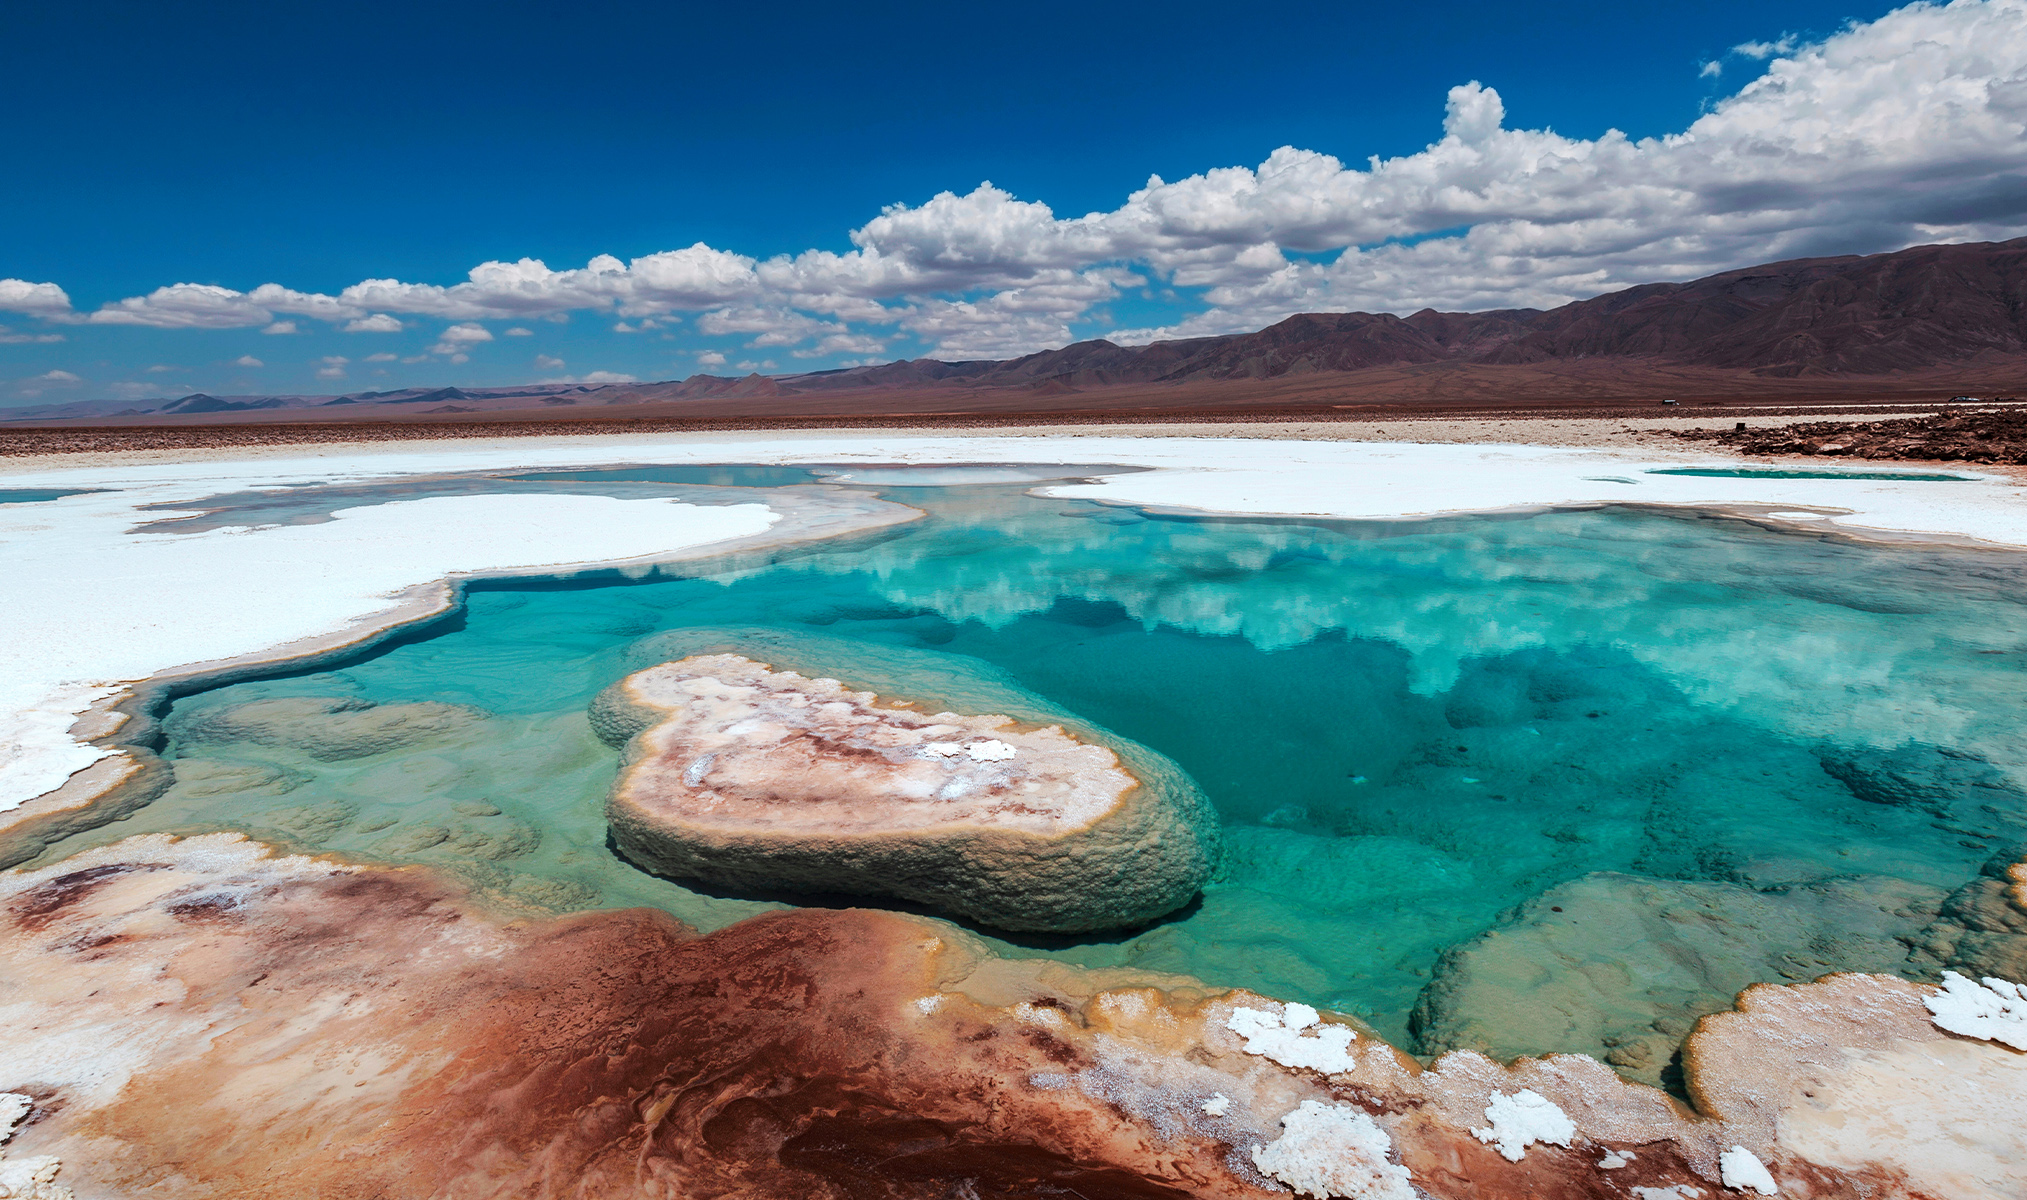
(751, 777)
(201, 1019)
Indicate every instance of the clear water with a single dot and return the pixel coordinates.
(38, 495)
(1408, 729)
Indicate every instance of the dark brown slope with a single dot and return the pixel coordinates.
(1870, 315)
(1878, 314)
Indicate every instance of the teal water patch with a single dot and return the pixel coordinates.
(1794, 473)
(1408, 729)
(39, 495)
(704, 474)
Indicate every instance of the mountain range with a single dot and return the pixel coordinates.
(1911, 319)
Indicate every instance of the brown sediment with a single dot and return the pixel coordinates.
(289, 1025)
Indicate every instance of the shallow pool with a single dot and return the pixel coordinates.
(1657, 756)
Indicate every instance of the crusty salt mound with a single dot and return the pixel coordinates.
(751, 777)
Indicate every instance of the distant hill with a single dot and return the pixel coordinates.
(1877, 314)
(1913, 318)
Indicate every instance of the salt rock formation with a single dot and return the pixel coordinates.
(756, 778)
(374, 1035)
(331, 728)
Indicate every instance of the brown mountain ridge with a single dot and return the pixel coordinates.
(1876, 314)
(1918, 323)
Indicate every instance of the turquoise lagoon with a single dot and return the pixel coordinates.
(1414, 732)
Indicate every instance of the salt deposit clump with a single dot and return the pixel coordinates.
(25, 1178)
(1742, 1169)
(1996, 1011)
(751, 777)
(1282, 1038)
(1334, 1150)
(1522, 1119)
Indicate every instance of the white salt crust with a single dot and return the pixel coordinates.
(1996, 1012)
(93, 608)
(1743, 1169)
(1283, 1038)
(1328, 1150)
(1522, 1119)
(25, 1178)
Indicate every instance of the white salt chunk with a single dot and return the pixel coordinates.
(1522, 1119)
(990, 750)
(1218, 1105)
(1330, 1150)
(1742, 1169)
(1614, 1159)
(1996, 1012)
(1680, 1191)
(27, 1178)
(1280, 1037)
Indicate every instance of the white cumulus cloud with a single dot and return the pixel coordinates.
(35, 299)
(458, 339)
(1908, 129)
(377, 323)
(247, 360)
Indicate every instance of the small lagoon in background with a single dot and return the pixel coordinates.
(1611, 765)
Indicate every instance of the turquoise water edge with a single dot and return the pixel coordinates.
(1612, 764)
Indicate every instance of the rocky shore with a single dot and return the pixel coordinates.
(1996, 436)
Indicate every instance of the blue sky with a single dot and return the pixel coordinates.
(754, 148)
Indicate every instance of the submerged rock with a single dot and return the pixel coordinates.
(1983, 926)
(331, 728)
(1622, 967)
(1917, 775)
(219, 777)
(755, 778)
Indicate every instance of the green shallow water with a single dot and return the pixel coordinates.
(1408, 730)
